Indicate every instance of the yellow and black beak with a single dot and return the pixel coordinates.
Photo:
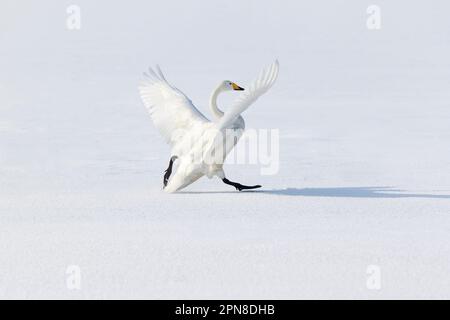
(236, 87)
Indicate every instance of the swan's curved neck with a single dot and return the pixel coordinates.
(213, 102)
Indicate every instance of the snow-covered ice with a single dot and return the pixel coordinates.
(364, 178)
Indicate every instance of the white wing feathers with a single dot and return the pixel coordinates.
(170, 109)
(258, 87)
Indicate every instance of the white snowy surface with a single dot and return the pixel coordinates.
(364, 179)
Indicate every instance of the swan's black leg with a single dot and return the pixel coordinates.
(239, 186)
(168, 171)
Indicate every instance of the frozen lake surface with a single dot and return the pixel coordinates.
(364, 163)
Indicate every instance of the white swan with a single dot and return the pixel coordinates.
(199, 146)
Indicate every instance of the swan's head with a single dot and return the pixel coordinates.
(229, 85)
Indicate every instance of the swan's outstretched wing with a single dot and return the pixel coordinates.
(258, 87)
(170, 109)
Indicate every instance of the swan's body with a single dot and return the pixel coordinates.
(199, 146)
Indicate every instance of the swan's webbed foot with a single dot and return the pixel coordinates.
(168, 171)
(239, 186)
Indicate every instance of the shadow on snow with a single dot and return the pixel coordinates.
(336, 192)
